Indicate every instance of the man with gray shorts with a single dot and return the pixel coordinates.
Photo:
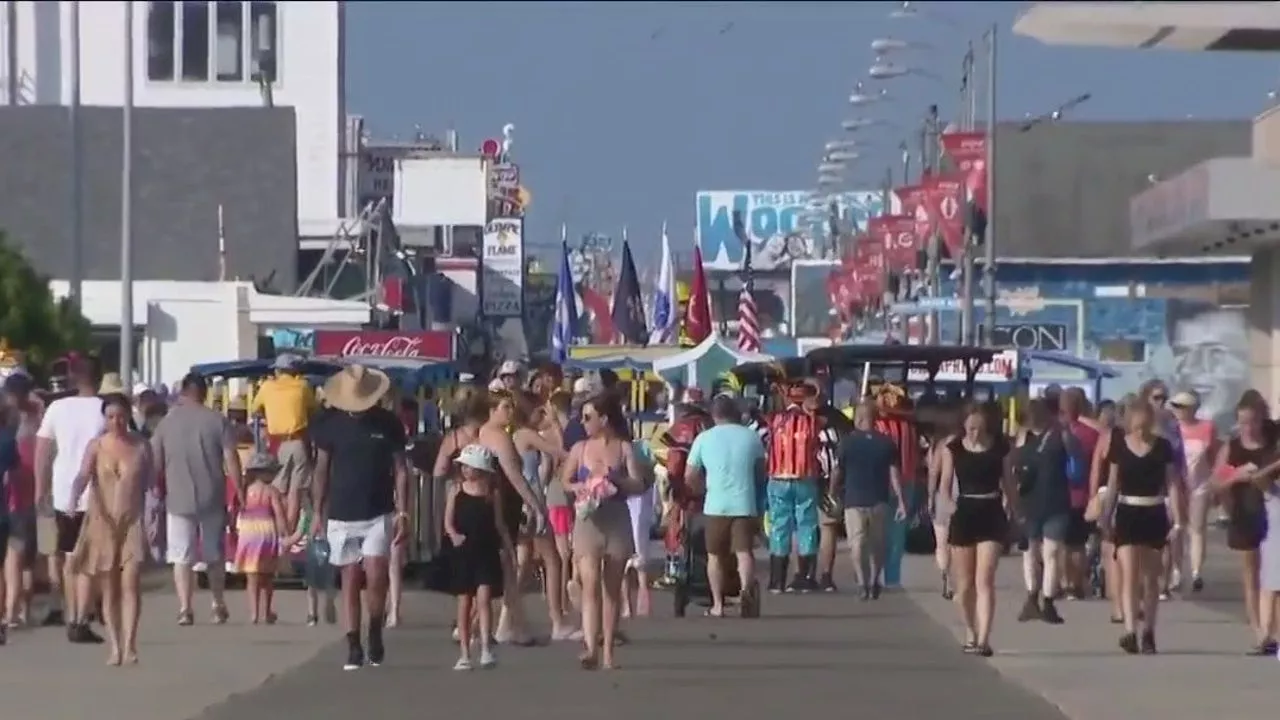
(195, 449)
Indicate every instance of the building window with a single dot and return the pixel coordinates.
(195, 41)
(202, 41)
(262, 41)
(229, 42)
(160, 40)
(1122, 351)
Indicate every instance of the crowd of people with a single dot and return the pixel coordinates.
(544, 478)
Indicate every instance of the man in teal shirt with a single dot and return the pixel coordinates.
(728, 460)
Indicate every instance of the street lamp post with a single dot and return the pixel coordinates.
(989, 258)
(126, 206)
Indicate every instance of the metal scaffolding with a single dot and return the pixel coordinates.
(366, 241)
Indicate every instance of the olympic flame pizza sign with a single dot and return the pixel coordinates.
(502, 286)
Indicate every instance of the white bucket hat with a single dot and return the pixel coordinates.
(476, 456)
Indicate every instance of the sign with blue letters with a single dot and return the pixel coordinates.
(777, 225)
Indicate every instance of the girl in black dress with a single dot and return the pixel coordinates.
(1142, 472)
(1248, 450)
(984, 497)
(477, 535)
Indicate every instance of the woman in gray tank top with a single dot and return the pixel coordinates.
(538, 456)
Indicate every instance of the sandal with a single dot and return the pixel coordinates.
(186, 618)
(220, 615)
(589, 661)
(713, 613)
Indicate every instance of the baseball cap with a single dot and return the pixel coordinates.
(1185, 399)
(286, 361)
(586, 386)
(495, 385)
(476, 456)
(262, 462)
(510, 367)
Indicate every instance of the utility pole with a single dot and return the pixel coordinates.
(77, 166)
(126, 207)
(968, 98)
(989, 258)
(933, 265)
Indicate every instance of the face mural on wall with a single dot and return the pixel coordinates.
(1210, 354)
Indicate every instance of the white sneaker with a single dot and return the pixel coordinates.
(462, 664)
(455, 634)
(488, 659)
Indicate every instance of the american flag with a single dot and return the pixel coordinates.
(748, 323)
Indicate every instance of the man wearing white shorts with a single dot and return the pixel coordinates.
(195, 450)
(360, 490)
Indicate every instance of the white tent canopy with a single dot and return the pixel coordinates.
(705, 362)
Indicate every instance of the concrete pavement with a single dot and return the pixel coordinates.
(897, 656)
(1201, 670)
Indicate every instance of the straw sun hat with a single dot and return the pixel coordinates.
(356, 388)
(112, 385)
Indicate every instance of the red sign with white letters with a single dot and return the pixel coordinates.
(406, 345)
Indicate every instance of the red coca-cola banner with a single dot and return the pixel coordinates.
(968, 150)
(944, 194)
(897, 236)
(912, 199)
(393, 344)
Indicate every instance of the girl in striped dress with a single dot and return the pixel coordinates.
(259, 527)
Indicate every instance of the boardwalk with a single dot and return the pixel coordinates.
(832, 653)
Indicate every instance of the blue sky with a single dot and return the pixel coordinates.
(624, 110)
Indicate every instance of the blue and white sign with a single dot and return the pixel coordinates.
(776, 224)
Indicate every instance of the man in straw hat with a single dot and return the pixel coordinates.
(361, 491)
(69, 424)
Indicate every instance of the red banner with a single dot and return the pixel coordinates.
(912, 198)
(406, 344)
(897, 235)
(968, 150)
(945, 197)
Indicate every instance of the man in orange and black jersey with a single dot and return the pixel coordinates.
(794, 469)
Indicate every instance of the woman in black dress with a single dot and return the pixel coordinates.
(1142, 473)
(984, 497)
(1249, 449)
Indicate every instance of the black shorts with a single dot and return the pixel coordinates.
(1141, 525)
(1078, 530)
(976, 521)
(22, 533)
(69, 525)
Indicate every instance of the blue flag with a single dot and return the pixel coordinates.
(628, 309)
(566, 316)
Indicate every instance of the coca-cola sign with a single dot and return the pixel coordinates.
(408, 345)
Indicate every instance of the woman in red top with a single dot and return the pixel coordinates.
(23, 411)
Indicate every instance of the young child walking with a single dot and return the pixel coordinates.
(317, 573)
(477, 536)
(260, 527)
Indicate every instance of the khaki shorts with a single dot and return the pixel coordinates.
(295, 466)
(726, 535)
(863, 524)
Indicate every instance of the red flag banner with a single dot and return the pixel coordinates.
(897, 235)
(944, 194)
(968, 150)
(697, 319)
(912, 199)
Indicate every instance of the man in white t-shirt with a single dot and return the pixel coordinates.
(69, 425)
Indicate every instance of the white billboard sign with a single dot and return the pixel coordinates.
(502, 281)
(376, 177)
(442, 191)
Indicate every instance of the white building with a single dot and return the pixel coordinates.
(201, 54)
(1220, 203)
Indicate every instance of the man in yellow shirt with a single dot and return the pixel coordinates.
(287, 401)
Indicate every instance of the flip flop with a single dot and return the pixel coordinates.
(711, 613)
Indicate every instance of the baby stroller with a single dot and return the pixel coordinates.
(690, 573)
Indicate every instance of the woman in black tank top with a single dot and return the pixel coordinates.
(1142, 471)
(1249, 449)
(983, 489)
